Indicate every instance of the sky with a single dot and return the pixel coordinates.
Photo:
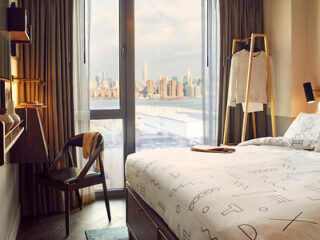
(167, 37)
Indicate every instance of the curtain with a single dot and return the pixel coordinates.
(49, 58)
(81, 57)
(210, 69)
(238, 19)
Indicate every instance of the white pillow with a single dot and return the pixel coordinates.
(305, 126)
(317, 147)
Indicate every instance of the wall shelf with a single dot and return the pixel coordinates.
(12, 136)
(18, 27)
(9, 139)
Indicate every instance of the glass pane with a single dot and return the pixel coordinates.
(112, 132)
(104, 54)
(168, 73)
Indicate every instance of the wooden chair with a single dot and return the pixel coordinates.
(73, 178)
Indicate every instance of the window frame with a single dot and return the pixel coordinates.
(126, 112)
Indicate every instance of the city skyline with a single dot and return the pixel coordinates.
(163, 87)
(144, 76)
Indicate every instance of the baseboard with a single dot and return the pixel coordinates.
(15, 225)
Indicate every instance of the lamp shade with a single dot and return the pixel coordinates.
(308, 92)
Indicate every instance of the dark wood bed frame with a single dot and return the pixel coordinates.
(142, 221)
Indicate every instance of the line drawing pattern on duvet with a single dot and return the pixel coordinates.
(201, 195)
(257, 192)
(295, 219)
(208, 232)
(232, 208)
(245, 229)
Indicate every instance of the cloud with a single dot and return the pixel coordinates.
(167, 36)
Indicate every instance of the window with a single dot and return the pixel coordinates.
(112, 132)
(168, 73)
(107, 105)
(104, 55)
(149, 92)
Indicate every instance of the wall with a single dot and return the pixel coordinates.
(299, 58)
(9, 179)
(313, 46)
(293, 27)
(9, 199)
(277, 16)
(4, 41)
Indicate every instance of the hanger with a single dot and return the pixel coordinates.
(247, 48)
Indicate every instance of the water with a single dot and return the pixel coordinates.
(188, 103)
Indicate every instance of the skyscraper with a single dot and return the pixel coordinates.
(197, 91)
(150, 87)
(163, 82)
(106, 82)
(189, 90)
(189, 78)
(145, 73)
(180, 89)
(99, 79)
(172, 88)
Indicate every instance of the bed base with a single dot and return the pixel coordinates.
(142, 221)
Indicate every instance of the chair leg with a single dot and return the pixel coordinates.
(67, 210)
(79, 199)
(131, 237)
(106, 199)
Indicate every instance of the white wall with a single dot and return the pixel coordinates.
(9, 200)
(9, 179)
(277, 16)
(313, 46)
(299, 60)
(293, 27)
(277, 23)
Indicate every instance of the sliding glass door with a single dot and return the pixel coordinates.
(168, 87)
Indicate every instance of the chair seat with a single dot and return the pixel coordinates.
(69, 175)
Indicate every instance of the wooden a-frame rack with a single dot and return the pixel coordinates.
(245, 117)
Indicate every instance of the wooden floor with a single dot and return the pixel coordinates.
(92, 216)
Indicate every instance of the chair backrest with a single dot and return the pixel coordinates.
(77, 140)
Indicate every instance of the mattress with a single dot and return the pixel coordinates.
(257, 192)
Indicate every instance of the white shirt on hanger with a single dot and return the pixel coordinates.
(238, 80)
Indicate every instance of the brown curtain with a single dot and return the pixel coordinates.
(238, 19)
(49, 58)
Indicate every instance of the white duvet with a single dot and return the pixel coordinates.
(257, 192)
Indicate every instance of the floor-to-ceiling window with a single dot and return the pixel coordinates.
(168, 53)
(106, 96)
(149, 62)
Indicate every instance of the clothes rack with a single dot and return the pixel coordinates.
(247, 99)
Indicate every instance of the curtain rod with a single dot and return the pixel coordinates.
(30, 80)
(26, 79)
(5, 79)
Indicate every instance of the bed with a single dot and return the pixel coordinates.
(267, 189)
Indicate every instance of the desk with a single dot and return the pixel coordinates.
(31, 147)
